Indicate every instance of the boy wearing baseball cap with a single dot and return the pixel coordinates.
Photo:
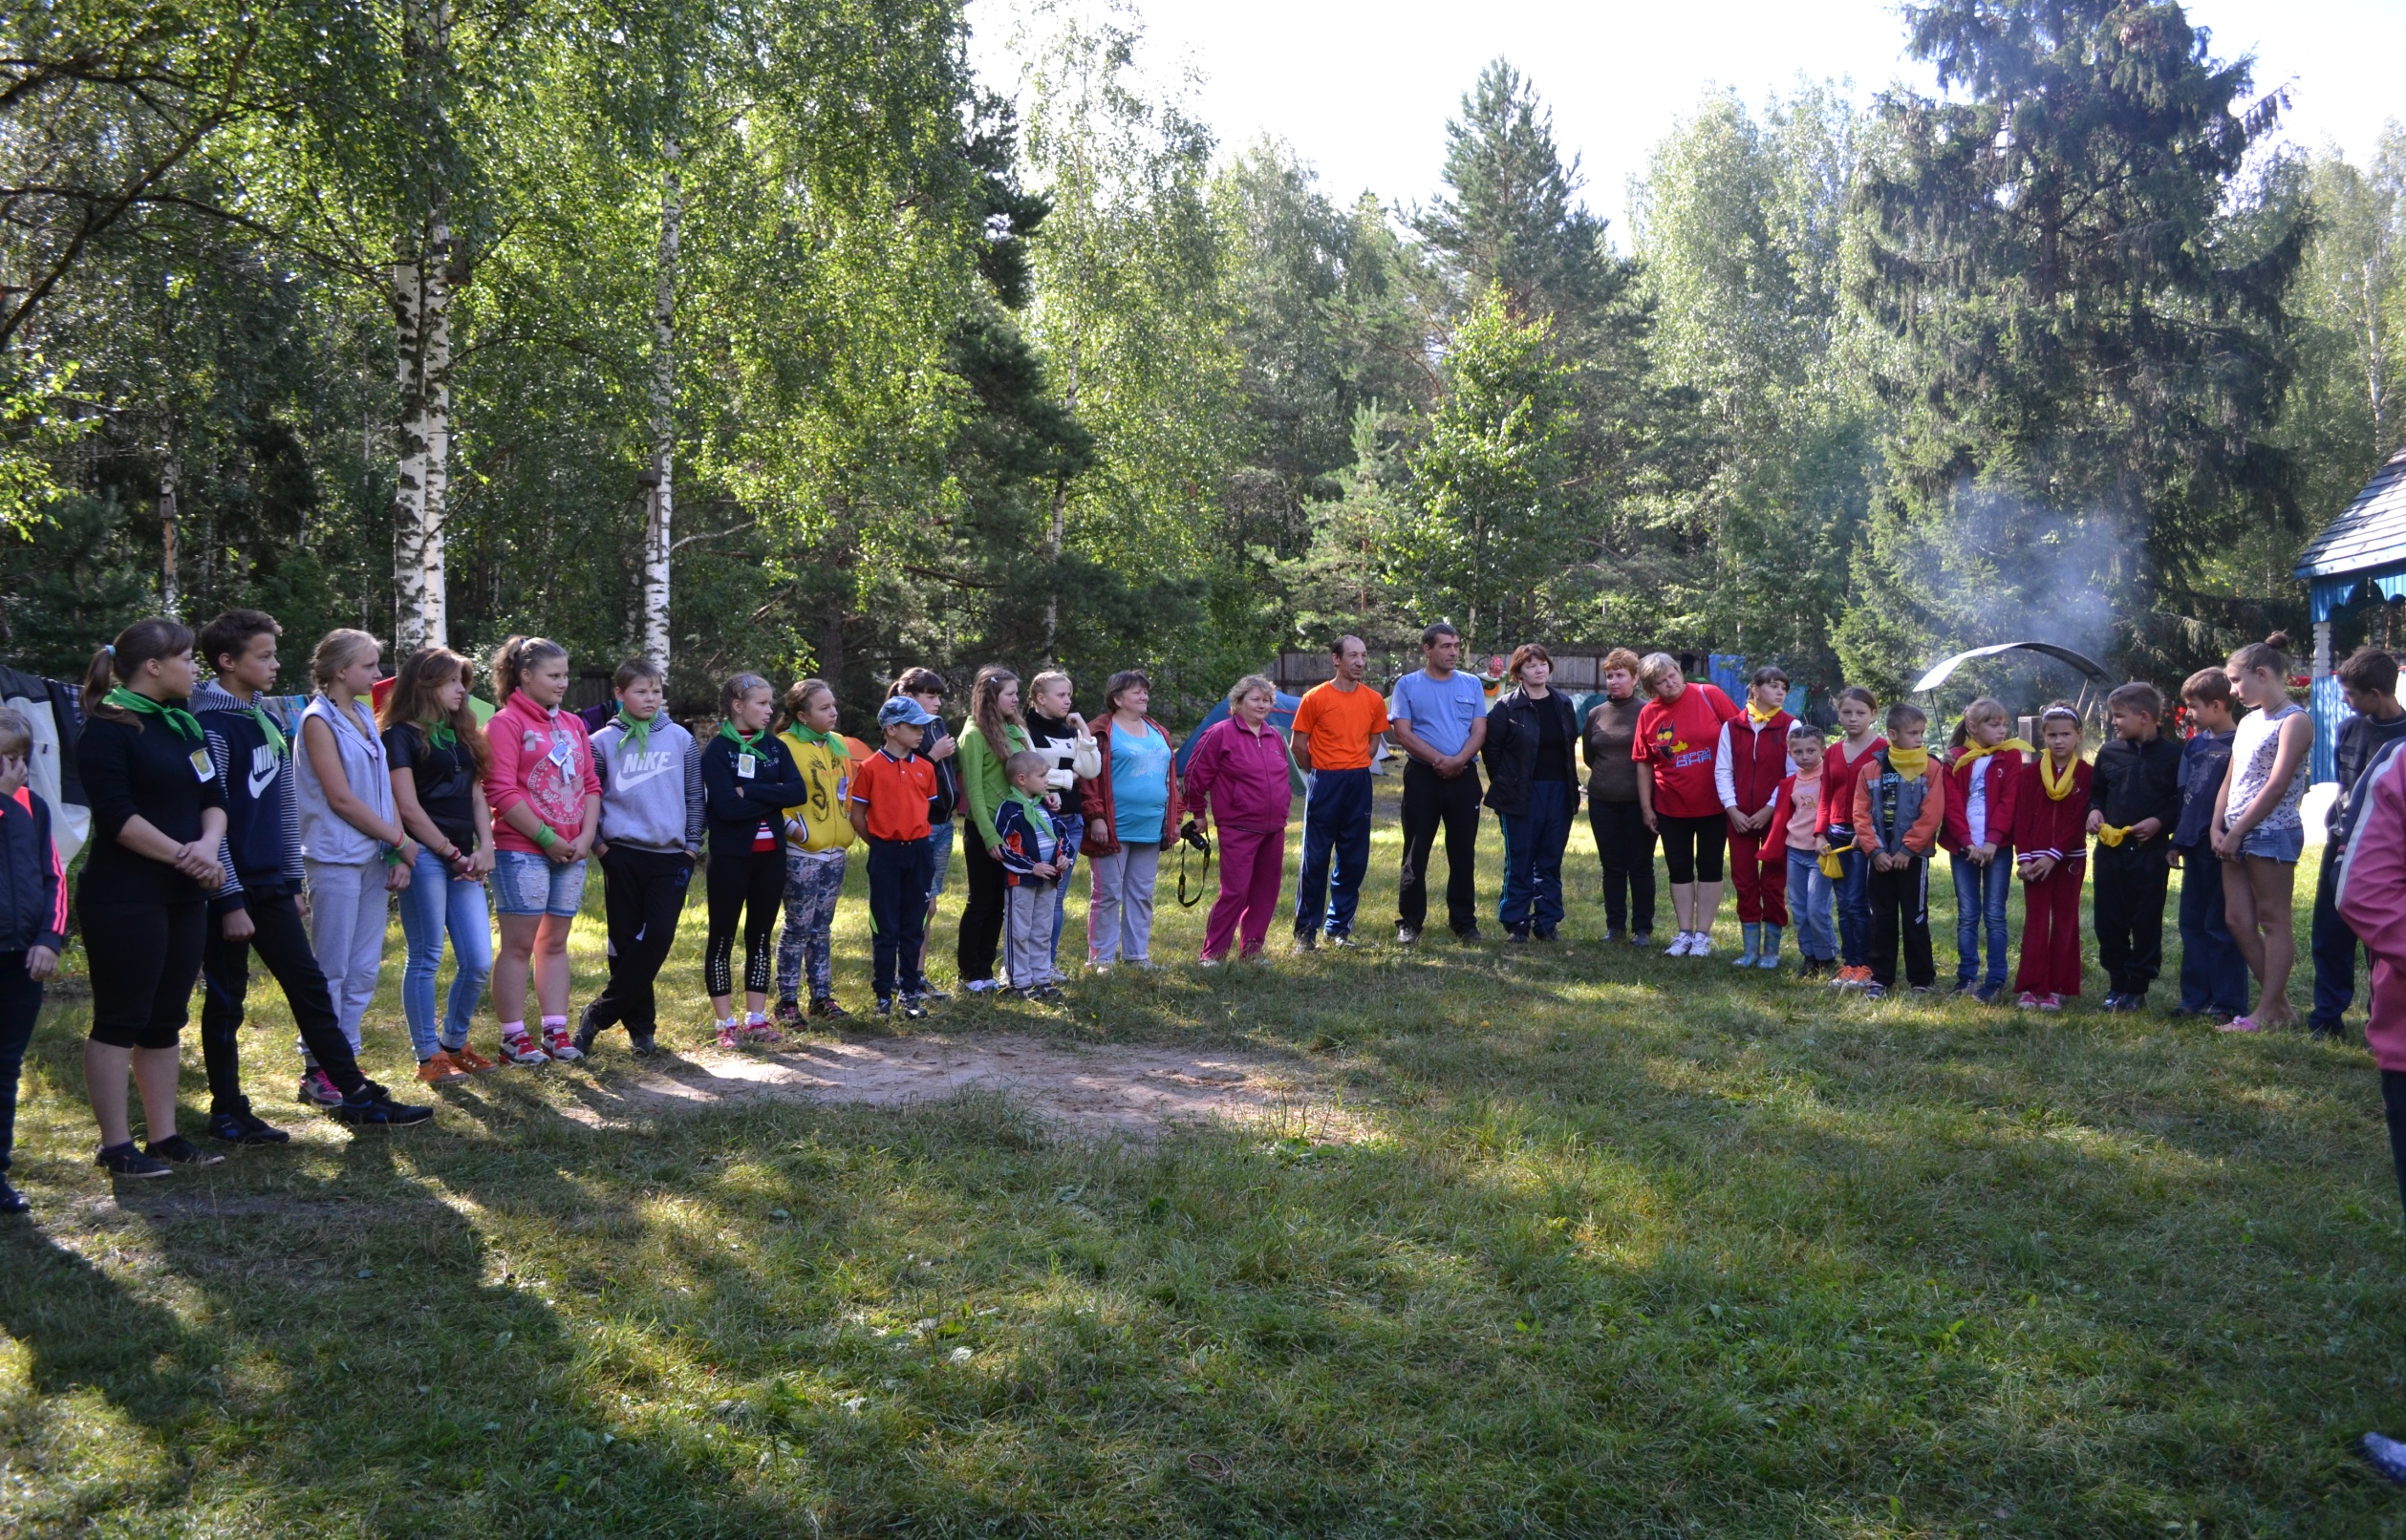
(891, 794)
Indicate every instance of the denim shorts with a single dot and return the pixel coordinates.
(940, 846)
(2275, 844)
(524, 883)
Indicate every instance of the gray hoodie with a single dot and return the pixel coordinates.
(652, 797)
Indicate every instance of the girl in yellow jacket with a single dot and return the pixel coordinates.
(817, 833)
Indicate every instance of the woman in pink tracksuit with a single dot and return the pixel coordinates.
(1238, 773)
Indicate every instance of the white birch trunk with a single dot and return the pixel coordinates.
(660, 519)
(1056, 534)
(409, 499)
(433, 596)
(170, 584)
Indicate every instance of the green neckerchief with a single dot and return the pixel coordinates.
(745, 746)
(440, 734)
(1039, 816)
(268, 728)
(804, 735)
(186, 724)
(638, 728)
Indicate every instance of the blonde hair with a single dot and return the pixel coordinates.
(1249, 684)
(1047, 681)
(338, 650)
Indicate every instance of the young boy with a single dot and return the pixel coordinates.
(2370, 680)
(650, 771)
(2213, 974)
(33, 923)
(2050, 853)
(1793, 814)
(1746, 771)
(889, 801)
(259, 907)
(1900, 808)
(2134, 796)
(1037, 857)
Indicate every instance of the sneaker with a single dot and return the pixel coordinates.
(1612, 935)
(1875, 991)
(788, 1013)
(2324, 1031)
(1542, 935)
(2386, 1456)
(1341, 939)
(440, 1070)
(242, 1126)
(885, 1007)
(586, 1029)
(1207, 962)
(318, 1089)
(1516, 935)
(642, 1045)
(1098, 969)
(177, 1150)
(761, 1034)
(2028, 1001)
(1854, 977)
(1679, 945)
(375, 1108)
(730, 1035)
(1986, 994)
(562, 1047)
(936, 997)
(518, 1049)
(914, 1007)
(2050, 1002)
(469, 1060)
(826, 1009)
(1049, 992)
(12, 1201)
(2122, 1004)
(1469, 936)
(1700, 945)
(980, 986)
(127, 1160)
(1963, 987)
(1642, 938)
(1407, 936)
(1307, 941)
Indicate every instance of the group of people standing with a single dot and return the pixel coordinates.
(218, 836)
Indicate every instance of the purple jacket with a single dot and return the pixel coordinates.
(1240, 777)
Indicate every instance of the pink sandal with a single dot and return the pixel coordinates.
(2240, 1023)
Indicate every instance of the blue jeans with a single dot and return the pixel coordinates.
(1533, 857)
(524, 883)
(2213, 975)
(436, 902)
(1074, 832)
(1336, 851)
(1980, 898)
(1810, 894)
(1853, 909)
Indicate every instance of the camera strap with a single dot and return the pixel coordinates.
(1201, 875)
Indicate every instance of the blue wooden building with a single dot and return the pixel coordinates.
(2360, 559)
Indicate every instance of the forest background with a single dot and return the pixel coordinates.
(762, 334)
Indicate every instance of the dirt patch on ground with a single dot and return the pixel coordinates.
(1103, 1089)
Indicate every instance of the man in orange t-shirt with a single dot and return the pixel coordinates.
(1337, 731)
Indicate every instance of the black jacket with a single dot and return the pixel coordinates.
(1512, 747)
(258, 784)
(2135, 781)
(143, 769)
(32, 889)
(735, 807)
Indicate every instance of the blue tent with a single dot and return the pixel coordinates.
(2360, 557)
(1282, 718)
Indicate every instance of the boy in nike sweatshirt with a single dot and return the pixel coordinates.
(258, 909)
(650, 771)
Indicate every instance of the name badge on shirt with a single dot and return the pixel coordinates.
(202, 766)
(559, 756)
(745, 766)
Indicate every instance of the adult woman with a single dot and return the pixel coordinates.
(1532, 786)
(1132, 810)
(2259, 833)
(1678, 732)
(157, 820)
(539, 778)
(995, 733)
(1241, 768)
(1624, 843)
(438, 756)
(355, 852)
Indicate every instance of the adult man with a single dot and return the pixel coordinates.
(1438, 717)
(1337, 729)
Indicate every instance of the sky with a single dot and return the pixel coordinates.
(1362, 89)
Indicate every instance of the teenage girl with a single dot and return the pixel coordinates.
(1056, 731)
(1855, 709)
(539, 781)
(437, 755)
(817, 831)
(748, 780)
(2050, 850)
(156, 824)
(356, 851)
(2259, 834)
(994, 734)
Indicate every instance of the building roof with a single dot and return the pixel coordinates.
(2370, 535)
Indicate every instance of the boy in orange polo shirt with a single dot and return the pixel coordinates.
(1337, 730)
(891, 794)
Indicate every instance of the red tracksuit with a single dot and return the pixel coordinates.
(1752, 763)
(2051, 924)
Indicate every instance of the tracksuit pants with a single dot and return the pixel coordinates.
(2334, 946)
(1900, 909)
(348, 906)
(1027, 933)
(1336, 851)
(2126, 906)
(2051, 933)
(643, 895)
(1433, 802)
(1252, 869)
(1759, 868)
(20, 1007)
(281, 939)
(981, 914)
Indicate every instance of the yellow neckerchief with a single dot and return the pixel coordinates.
(1908, 762)
(1830, 867)
(2109, 834)
(1972, 752)
(1758, 716)
(2057, 791)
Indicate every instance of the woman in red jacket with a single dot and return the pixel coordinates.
(1239, 772)
(1985, 770)
(2050, 842)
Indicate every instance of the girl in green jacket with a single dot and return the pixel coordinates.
(994, 734)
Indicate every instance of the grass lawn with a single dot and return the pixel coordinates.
(1630, 1245)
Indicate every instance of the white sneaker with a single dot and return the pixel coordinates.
(1700, 945)
(1679, 945)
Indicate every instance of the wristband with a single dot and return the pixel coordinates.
(546, 838)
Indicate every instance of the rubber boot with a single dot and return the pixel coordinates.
(1771, 947)
(1753, 951)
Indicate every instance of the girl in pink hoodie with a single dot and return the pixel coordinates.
(547, 807)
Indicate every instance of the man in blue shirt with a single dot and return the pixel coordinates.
(1438, 717)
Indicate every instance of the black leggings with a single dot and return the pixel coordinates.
(1692, 846)
(981, 917)
(145, 959)
(750, 886)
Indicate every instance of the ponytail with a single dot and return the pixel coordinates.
(138, 644)
(514, 657)
(2272, 653)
